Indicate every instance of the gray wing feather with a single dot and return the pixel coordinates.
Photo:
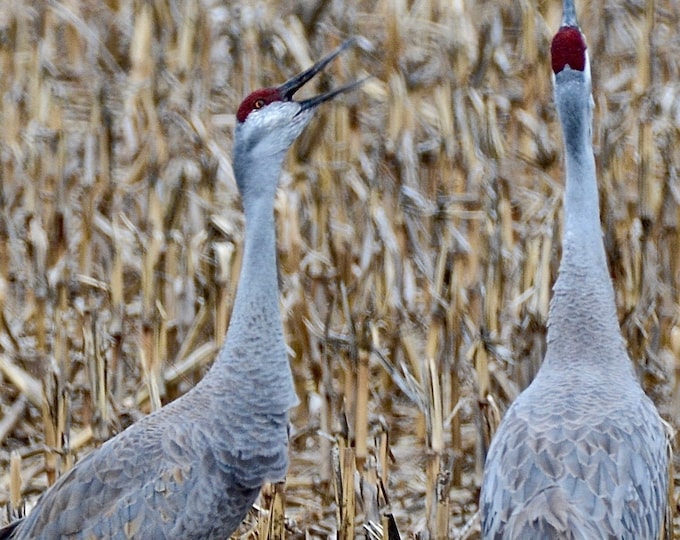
(560, 477)
(157, 480)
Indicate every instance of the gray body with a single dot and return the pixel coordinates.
(164, 478)
(193, 469)
(581, 453)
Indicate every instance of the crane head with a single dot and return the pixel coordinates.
(568, 49)
(261, 99)
(269, 120)
(571, 76)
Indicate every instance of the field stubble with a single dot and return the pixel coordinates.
(419, 222)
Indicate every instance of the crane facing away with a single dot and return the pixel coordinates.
(581, 453)
(193, 469)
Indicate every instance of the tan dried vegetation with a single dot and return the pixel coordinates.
(419, 223)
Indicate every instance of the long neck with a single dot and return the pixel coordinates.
(583, 324)
(253, 364)
(258, 291)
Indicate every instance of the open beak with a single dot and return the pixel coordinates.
(292, 85)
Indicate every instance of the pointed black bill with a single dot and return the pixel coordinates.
(569, 13)
(317, 100)
(293, 84)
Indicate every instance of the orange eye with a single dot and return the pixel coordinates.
(256, 101)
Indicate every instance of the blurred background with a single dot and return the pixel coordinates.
(419, 223)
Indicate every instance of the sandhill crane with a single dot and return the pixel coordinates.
(194, 468)
(581, 453)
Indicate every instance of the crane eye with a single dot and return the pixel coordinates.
(256, 101)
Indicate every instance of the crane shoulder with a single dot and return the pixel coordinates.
(558, 473)
(157, 479)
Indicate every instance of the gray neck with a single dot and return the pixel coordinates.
(254, 354)
(583, 324)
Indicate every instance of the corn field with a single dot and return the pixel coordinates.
(419, 223)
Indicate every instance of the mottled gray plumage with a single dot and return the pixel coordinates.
(581, 453)
(193, 469)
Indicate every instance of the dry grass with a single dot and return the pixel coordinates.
(419, 224)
